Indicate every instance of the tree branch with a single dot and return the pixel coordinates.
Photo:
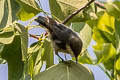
(99, 4)
(76, 12)
(33, 36)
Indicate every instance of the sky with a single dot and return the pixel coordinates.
(98, 73)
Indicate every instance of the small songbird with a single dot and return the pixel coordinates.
(63, 39)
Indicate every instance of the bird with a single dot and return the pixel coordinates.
(63, 38)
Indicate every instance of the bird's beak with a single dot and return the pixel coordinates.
(40, 19)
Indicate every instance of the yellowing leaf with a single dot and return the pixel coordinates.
(106, 52)
(118, 64)
(103, 37)
(106, 23)
(29, 8)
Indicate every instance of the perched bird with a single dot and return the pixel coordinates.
(63, 39)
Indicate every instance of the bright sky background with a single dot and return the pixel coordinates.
(98, 73)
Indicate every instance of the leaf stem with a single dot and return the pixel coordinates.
(34, 36)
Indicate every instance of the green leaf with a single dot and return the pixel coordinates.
(86, 35)
(117, 34)
(1, 48)
(113, 8)
(48, 54)
(104, 52)
(62, 8)
(13, 55)
(56, 10)
(8, 11)
(93, 5)
(103, 37)
(24, 39)
(77, 26)
(29, 8)
(92, 23)
(85, 58)
(38, 65)
(69, 6)
(39, 52)
(7, 35)
(66, 71)
(109, 63)
(34, 61)
(118, 64)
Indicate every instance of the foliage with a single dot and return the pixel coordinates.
(70, 69)
(92, 23)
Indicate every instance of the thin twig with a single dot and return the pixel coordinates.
(99, 4)
(76, 12)
(34, 36)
